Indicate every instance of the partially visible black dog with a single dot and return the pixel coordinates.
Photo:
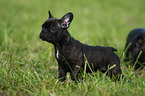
(71, 54)
(134, 45)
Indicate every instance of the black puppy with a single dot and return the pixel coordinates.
(72, 54)
(136, 43)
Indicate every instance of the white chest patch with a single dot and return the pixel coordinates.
(57, 54)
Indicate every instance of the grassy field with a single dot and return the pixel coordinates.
(27, 64)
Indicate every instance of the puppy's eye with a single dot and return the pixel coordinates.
(52, 28)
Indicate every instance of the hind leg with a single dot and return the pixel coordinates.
(115, 72)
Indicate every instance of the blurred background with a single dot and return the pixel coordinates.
(96, 22)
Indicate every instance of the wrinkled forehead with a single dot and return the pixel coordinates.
(51, 22)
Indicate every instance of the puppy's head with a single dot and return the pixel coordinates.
(53, 29)
(138, 47)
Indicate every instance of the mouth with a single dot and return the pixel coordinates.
(41, 36)
(45, 37)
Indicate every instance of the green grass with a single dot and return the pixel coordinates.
(27, 64)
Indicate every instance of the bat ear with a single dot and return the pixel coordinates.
(66, 20)
(50, 15)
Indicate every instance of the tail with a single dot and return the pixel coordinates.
(113, 49)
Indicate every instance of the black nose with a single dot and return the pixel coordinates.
(40, 35)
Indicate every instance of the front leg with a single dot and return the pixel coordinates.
(74, 73)
(62, 74)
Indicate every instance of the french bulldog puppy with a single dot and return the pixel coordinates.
(71, 54)
(134, 45)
